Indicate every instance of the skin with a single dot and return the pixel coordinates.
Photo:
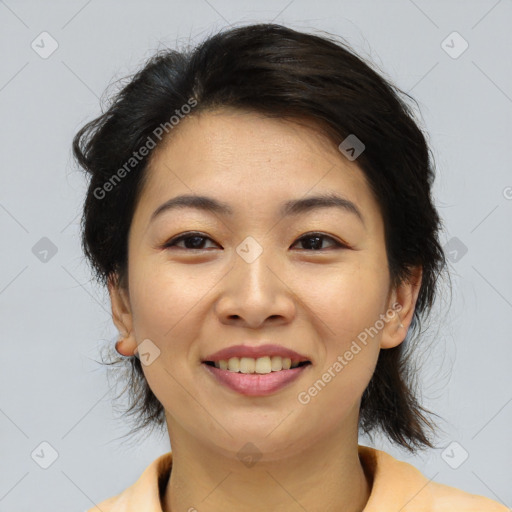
(192, 302)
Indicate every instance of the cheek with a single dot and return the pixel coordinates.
(162, 297)
(346, 308)
(346, 300)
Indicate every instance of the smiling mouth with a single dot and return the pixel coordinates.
(256, 378)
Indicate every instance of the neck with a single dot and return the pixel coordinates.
(327, 475)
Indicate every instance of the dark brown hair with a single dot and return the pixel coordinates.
(282, 73)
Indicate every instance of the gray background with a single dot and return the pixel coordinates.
(54, 319)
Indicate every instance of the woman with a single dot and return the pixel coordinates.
(260, 209)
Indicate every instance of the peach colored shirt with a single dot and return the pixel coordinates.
(397, 486)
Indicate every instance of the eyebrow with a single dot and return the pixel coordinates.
(289, 208)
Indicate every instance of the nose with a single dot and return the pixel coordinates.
(256, 293)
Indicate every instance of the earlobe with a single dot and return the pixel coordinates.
(402, 304)
(122, 316)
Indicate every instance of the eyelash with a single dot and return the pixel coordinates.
(193, 234)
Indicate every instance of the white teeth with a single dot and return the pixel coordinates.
(247, 365)
(277, 363)
(234, 364)
(261, 365)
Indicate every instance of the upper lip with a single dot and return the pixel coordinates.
(255, 352)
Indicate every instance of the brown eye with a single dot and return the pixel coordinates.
(191, 241)
(314, 241)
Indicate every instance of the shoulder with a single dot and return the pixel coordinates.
(108, 505)
(143, 495)
(398, 485)
(451, 499)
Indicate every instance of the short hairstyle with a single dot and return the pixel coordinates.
(281, 73)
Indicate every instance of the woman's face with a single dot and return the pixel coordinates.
(257, 275)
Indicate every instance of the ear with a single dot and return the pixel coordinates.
(402, 301)
(122, 316)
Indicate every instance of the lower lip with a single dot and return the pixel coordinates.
(254, 384)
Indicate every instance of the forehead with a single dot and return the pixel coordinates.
(251, 161)
(237, 139)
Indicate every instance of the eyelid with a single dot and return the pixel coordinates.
(188, 234)
(338, 244)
